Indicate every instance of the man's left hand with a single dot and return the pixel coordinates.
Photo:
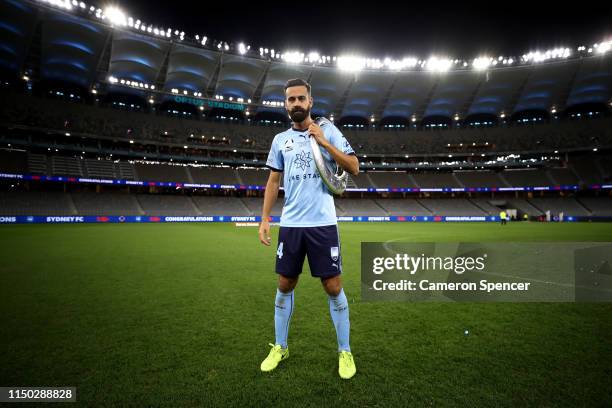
(315, 131)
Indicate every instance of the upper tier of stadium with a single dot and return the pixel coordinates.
(21, 117)
(80, 47)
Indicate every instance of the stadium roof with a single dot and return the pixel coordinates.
(83, 48)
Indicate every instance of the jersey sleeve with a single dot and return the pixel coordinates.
(275, 160)
(340, 142)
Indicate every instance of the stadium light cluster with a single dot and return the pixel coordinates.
(352, 63)
(437, 64)
(128, 82)
(203, 40)
(482, 63)
(274, 104)
(232, 99)
(185, 92)
(115, 17)
(556, 53)
(65, 4)
(243, 49)
(296, 57)
(175, 91)
(602, 48)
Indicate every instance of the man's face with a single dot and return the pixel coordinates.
(298, 103)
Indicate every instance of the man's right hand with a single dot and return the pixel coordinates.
(264, 232)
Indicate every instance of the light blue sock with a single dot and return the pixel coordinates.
(283, 311)
(339, 310)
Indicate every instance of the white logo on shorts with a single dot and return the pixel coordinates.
(334, 253)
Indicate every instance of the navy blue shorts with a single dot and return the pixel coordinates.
(320, 244)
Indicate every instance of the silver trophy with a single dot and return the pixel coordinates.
(334, 176)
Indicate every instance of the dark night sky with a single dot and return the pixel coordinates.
(457, 30)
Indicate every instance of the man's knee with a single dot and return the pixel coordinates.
(332, 285)
(286, 284)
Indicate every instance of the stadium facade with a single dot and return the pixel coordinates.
(107, 120)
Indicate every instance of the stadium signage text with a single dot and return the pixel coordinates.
(37, 219)
(70, 179)
(210, 103)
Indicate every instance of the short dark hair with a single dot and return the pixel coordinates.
(297, 82)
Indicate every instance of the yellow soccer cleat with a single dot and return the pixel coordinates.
(277, 354)
(346, 365)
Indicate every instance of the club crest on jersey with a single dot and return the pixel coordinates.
(302, 160)
(334, 253)
(289, 145)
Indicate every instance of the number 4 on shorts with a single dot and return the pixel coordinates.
(279, 251)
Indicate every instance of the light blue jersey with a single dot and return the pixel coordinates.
(308, 202)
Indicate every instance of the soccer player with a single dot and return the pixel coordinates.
(308, 226)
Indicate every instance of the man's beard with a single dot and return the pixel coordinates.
(299, 115)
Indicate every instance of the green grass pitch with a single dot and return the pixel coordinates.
(182, 314)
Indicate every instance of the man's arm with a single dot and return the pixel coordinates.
(270, 196)
(348, 162)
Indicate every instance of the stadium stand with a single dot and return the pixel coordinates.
(362, 180)
(255, 205)
(172, 205)
(605, 164)
(587, 170)
(527, 177)
(14, 161)
(32, 112)
(106, 203)
(125, 170)
(38, 164)
(523, 206)
(222, 206)
(110, 130)
(66, 166)
(117, 203)
(162, 172)
(598, 206)
(451, 206)
(563, 176)
(104, 169)
(518, 138)
(382, 179)
(569, 206)
(36, 203)
(485, 205)
(361, 206)
(435, 180)
(208, 175)
(483, 178)
(592, 170)
(402, 206)
(256, 177)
